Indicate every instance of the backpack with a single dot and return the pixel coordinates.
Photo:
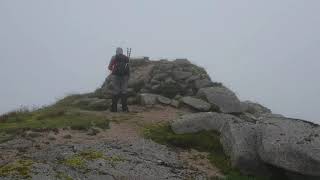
(121, 66)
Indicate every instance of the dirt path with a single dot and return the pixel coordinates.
(117, 153)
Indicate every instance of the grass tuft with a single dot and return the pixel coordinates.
(63, 176)
(19, 168)
(78, 161)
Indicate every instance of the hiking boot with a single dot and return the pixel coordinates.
(124, 103)
(114, 106)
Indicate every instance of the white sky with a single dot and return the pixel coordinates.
(266, 51)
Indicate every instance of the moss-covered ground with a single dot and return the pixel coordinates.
(19, 169)
(205, 141)
(60, 115)
(79, 160)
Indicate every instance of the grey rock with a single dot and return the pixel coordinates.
(164, 100)
(67, 136)
(181, 75)
(175, 103)
(154, 82)
(138, 61)
(93, 131)
(192, 123)
(182, 61)
(144, 90)
(203, 83)
(148, 99)
(267, 115)
(31, 134)
(193, 78)
(254, 108)
(52, 138)
(221, 97)
(189, 92)
(290, 144)
(160, 76)
(156, 87)
(239, 143)
(178, 97)
(139, 76)
(197, 104)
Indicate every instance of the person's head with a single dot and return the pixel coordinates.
(119, 51)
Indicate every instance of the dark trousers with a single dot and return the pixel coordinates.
(119, 86)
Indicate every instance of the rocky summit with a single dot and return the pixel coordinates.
(181, 125)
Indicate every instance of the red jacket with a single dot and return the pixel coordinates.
(112, 63)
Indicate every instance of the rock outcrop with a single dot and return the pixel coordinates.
(253, 137)
(167, 78)
(196, 122)
(291, 144)
(287, 144)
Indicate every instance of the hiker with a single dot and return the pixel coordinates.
(119, 67)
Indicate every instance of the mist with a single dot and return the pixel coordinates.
(265, 51)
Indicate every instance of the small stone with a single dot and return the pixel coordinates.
(93, 131)
(33, 134)
(175, 103)
(68, 136)
(178, 97)
(148, 99)
(164, 100)
(51, 138)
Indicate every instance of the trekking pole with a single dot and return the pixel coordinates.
(129, 52)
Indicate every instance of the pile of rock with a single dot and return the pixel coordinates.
(181, 81)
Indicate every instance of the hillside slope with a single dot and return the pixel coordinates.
(182, 125)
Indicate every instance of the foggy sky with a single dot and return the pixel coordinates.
(265, 51)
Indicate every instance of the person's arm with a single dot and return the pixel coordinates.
(111, 64)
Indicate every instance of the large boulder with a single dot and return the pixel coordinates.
(290, 144)
(239, 143)
(192, 123)
(197, 104)
(222, 98)
(254, 108)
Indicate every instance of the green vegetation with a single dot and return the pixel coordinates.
(91, 155)
(238, 177)
(19, 168)
(199, 70)
(60, 115)
(78, 161)
(75, 161)
(63, 176)
(205, 141)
